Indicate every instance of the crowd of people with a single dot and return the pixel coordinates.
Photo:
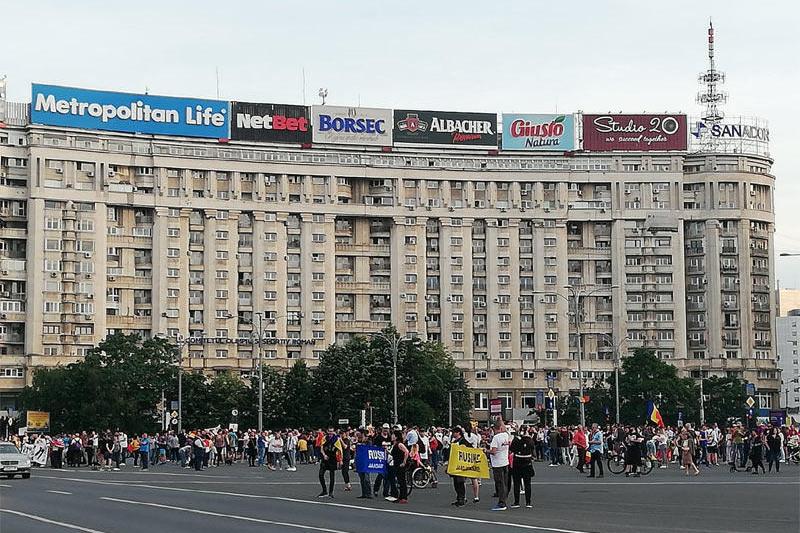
(512, 450)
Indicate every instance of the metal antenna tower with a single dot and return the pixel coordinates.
(710, 96)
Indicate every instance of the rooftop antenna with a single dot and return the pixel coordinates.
(323, 93)
(710, 96)
(217, 73)
(304, 85)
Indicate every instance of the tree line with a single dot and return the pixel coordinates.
(121, 382)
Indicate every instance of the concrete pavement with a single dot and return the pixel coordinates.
(170, 499)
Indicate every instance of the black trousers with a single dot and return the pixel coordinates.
(460, 486)
(325, 466)
(521, 475)
(399, 474)
(346, 470)
(597, 458)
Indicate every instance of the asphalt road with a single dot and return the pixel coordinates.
(242, 499)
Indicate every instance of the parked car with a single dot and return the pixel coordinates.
(13, 462)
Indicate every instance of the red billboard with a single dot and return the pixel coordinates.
(634, 132)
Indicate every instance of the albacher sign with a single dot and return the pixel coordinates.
(445, 128)
(634, 132)
(352, 125)
(538, 132)
(270, 122)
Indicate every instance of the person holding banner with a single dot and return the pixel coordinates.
(459, 482)
(369, 459)
(331, 461)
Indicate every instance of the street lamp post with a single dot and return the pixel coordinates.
(394, 343)
(577, 295)
(615, 347)
(181, 342)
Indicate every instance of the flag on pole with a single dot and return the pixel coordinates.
(654, 415)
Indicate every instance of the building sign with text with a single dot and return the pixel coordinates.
(279, 123)
(352, 125)
(538, 132)
(445, 128)
(634, 132)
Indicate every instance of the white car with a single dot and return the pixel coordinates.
(13, 462)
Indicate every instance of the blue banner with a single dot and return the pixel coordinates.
(71, 107)
(370, 459)
(538, 132)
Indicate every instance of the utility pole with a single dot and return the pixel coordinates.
(702, 401)
(395, 349)
(450, 407)
(260, 374)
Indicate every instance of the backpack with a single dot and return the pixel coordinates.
(421, 446)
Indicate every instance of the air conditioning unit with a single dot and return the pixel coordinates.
(88, 276)
(90, 174)
(90, 296)
(59, 171)
(112, 278)
(53, 274)
(87, 317)
(5, 294)
(87, 254)
(3, 316)
(111, 173)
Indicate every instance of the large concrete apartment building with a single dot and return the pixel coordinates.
(314, 243)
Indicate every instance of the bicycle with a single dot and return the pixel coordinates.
(422, 476)
(793, 456)
(616, 461)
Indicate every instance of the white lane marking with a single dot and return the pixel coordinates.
(171, 482)
(48, 521)
(225, 515)
(150, 473)
(633, 484)
(4, 485)
(60, 492)
(362, 508)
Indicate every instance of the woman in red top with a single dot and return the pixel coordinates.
(580, 442)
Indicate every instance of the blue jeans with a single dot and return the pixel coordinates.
(261, 452)
(145, 459)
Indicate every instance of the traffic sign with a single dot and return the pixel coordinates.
(551, 394)
(234, 412)
(344, 421)
(174, 421)
(750, 402)
(174, 414)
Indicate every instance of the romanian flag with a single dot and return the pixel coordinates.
(654, 415)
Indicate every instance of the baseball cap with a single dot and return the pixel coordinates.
(385, 426)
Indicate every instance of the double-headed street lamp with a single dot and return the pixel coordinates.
(575, 301)
(258, 341)
(615, 347)
(394, 342)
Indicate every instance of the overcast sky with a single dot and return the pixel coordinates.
(527, 56)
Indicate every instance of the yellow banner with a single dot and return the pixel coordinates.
(467, 462)
(38, 422)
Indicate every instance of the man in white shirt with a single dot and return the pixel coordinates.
(498, 455)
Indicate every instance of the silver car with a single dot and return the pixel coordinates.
(12, 462)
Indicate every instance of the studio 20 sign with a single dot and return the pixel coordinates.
(634, 132)
(538, 132)
(352, 125)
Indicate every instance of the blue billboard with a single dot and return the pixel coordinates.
(538, 132)
(70, 107)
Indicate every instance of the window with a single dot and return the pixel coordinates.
(411, 278)
(549, 241)
(318, 237)
(481, 401)
(173, 293)
(173, 232)
(221, 354)
(456, 241)
(172, 272)
(222, 254)
(318, 296)
(173, 252)
(506, 374)
(480, 374)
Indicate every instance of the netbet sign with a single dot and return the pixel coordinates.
(270, 123)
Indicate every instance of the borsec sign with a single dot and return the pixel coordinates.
(352, 125)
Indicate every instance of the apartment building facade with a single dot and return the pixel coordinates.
(195, 238)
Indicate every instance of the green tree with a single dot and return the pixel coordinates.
(298, 390)
(643, 377)
(118, 384)
(725, 398)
